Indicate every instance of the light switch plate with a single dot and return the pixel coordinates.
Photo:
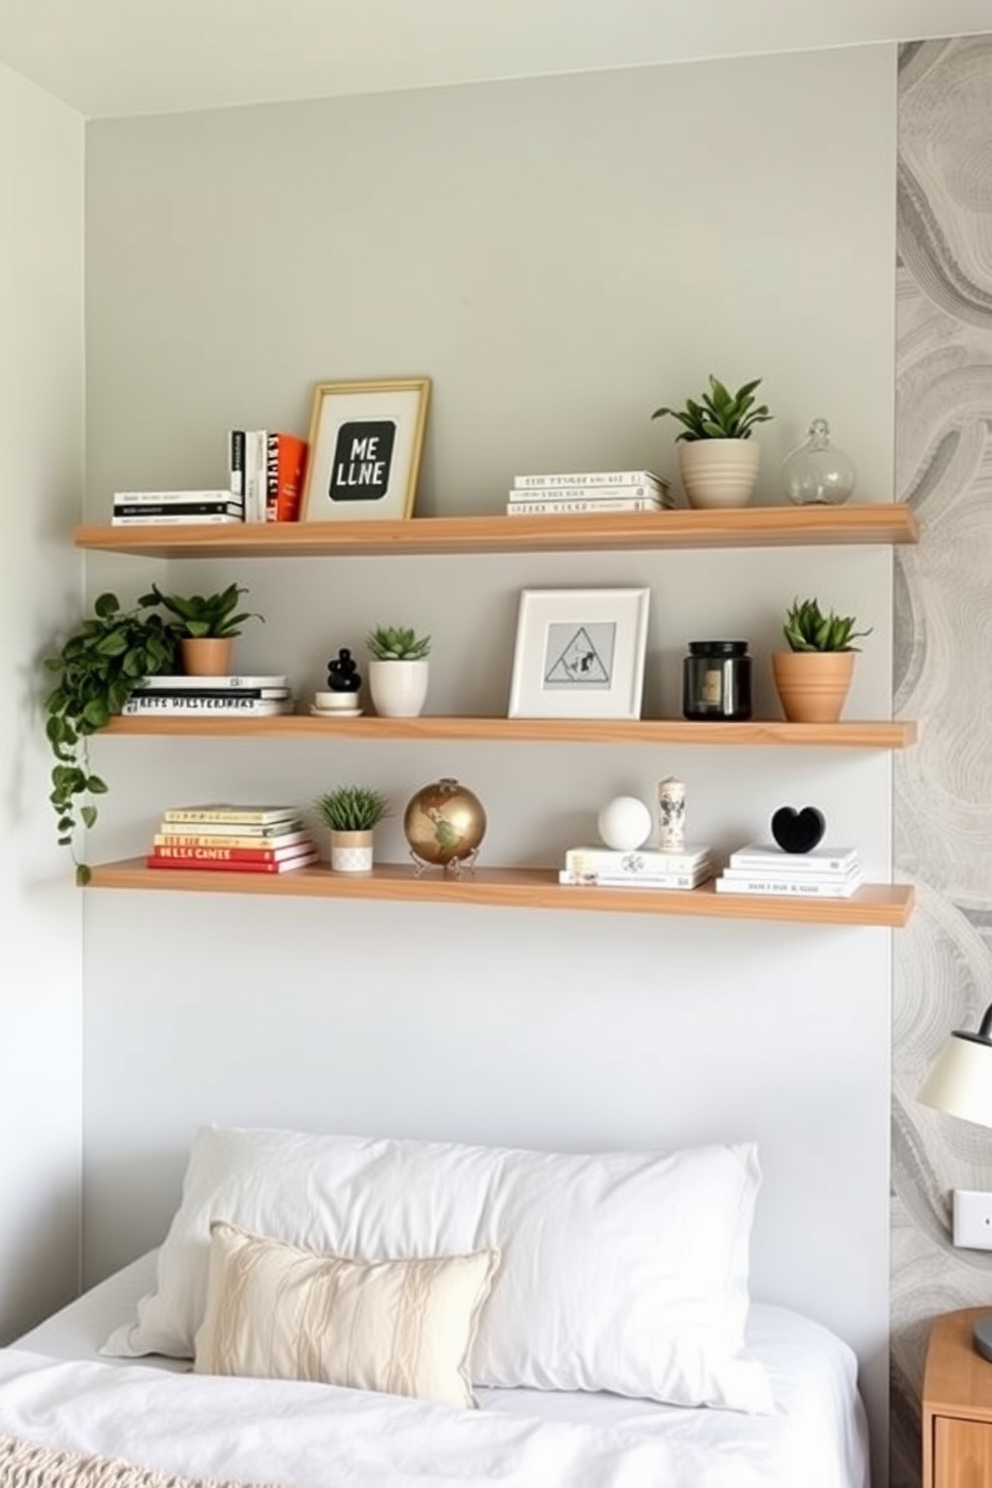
(972, 1215)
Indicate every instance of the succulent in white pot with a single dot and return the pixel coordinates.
(399, 670)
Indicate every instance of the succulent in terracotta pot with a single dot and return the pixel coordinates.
(813, 677)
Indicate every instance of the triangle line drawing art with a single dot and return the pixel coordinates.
(579, 663)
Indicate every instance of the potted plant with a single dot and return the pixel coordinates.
(398, 671)
(813, 677)
(97, 668)
(205, 626)
(352, 812)
(718, 459)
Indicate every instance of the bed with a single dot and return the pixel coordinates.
(83, 1401)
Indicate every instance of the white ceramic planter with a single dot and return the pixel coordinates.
(718, 472)
(399, 688)
(351, 852)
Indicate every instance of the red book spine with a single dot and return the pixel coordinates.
(285, 470)
(223, 854)
(268, 864)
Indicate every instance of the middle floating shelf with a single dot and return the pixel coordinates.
(756, 732)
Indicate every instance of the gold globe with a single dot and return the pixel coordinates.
(444, 823)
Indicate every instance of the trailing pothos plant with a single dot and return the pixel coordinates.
(96, 669)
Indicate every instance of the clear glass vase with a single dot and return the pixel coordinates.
(817, 472)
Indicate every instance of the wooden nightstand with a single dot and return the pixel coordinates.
(957, 1406)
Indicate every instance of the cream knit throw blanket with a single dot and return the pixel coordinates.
(25, 1465)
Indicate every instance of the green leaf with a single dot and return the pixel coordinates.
(114, 643)
(96, 713)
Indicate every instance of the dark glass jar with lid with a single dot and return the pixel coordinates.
(716, 681)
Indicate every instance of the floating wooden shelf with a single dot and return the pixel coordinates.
(756, 526)
(854, 735)
(887, 905)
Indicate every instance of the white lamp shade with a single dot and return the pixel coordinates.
(960, 1081)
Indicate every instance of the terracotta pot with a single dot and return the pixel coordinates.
(351, 852)
(813, 685)
(206, 656)
(718, 472)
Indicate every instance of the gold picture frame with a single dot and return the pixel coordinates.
(366, 441)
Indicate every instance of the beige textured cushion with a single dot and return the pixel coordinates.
(275, 1311)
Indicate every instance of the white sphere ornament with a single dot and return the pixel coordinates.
(625, 823)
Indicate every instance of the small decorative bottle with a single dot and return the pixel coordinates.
(671, 814)
(816, 473)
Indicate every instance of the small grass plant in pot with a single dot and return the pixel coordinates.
(813, 677)
(205, 625)
(96, 669)
(399, 670)
(351, 813)
(718, 458)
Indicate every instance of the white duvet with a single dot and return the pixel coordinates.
(318, 1436)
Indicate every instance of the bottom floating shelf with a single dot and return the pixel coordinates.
(514, 888)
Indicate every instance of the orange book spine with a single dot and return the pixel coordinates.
(285, 471)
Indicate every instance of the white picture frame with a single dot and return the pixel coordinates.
(579, 653)
(366, 441)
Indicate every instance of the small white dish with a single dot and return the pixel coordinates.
(336, 702)
(335, 712)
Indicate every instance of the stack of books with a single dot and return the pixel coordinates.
(153, 508)
(645, 868)
(763, 868)
(214, 697)
(267, 470)
(592, 491)
(237, 839)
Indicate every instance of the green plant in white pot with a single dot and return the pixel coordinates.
(351, 813)
(718, 458)
(399, 670)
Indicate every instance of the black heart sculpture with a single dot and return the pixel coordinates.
(798, 831)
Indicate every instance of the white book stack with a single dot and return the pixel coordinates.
(608, 491)
(643, 868)
(173, 508)
(264, 696)
(762, 868)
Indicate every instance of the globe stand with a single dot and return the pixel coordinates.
(453, 866)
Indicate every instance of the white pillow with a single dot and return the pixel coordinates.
(620, 1271)
(276, 1311)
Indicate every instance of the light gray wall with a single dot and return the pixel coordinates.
(41, 444)
(560, 256)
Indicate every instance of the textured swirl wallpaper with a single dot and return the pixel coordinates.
(943, 678)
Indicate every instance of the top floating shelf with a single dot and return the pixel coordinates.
(756, 526)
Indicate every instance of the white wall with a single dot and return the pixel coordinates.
(561, 256)
(41, 443)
